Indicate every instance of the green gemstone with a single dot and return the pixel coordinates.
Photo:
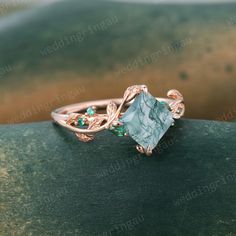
(163, 103)
(90, 111)
(146, 120)
(81, 122)
(118, 130)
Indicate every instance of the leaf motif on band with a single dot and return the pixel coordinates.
(175, 94)
(84, 137)
(72, 118)
(111, 109)
(132, 91)
(177, 106)
(95, 123)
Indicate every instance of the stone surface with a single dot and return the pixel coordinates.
(81, 121)
(90, 111)
(53, 185)
(119, 131)
(147, 120)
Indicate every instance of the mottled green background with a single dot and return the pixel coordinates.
(53, 185)
(190, 47)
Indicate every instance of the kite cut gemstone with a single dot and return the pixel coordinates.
(147, 120)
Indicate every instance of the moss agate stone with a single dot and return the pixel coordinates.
(147, 120)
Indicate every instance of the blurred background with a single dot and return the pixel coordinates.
(54, 53)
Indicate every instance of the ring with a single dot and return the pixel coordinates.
(138, 114)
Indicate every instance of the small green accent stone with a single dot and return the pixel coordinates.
(118, 130)
(81, 122)
(90, 111)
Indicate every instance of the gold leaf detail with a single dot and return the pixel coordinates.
(132, 91)
(85, 137)
(111, 110)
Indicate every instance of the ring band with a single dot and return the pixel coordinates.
(146, 119)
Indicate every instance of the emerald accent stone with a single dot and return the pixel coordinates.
(147, 120)
(90, 111)
(81, 122)
(118, 130)
(163, 103)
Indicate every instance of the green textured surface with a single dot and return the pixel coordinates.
(51, 184)
(155, 26)
(147, 120)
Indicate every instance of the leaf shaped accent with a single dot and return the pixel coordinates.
(178, 110)
(132, 91)
(95, 123)
(85, 137)
(111, 109)
(175, 94)
(71, 120)
(177, 106)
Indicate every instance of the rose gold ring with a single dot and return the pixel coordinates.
(138, 114)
